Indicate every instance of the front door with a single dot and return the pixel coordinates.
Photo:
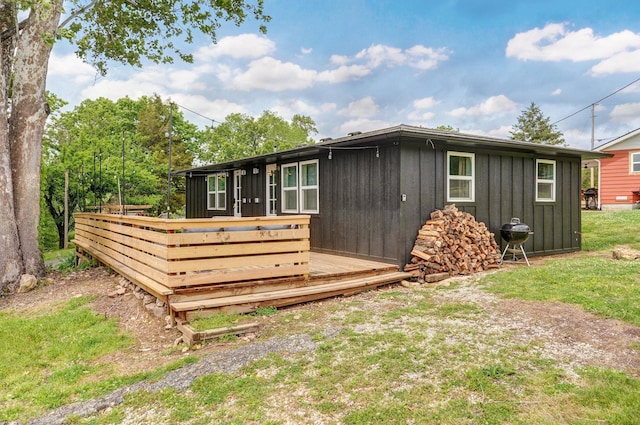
(272, 190)
(237, 193)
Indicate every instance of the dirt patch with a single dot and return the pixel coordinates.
(564, 332)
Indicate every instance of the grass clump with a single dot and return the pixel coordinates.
(44, 359)
(601, 285)
(603, 230)
(229, 320)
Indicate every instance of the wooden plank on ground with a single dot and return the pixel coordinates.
(191, 336)
(280, 302)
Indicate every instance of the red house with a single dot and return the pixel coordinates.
(620, 174)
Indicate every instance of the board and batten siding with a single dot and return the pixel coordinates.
(359, 204)
(504, 188)
(196, 195)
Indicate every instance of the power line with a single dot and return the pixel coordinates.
(198, 114)
(597, 101)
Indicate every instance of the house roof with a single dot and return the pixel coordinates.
(615, 143)
(372, 138)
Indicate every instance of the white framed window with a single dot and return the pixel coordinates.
(309, 186)
(300, 189)
(634, 162)
(217, 191)
(460, 177)
(545, 180)
(290, 188)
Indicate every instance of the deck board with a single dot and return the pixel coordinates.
(323, 265)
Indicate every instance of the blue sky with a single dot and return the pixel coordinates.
(356, 65)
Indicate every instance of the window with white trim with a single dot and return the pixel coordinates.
(635, 162)
(217, 191)
(309, 186)
(460, 177)
(545, 180)
(300, 190)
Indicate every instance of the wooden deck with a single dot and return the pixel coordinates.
(201, 266)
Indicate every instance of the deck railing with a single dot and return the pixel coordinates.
(165, 256)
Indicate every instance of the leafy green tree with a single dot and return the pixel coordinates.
(241, 136)
(155, 123)
(125, 31)
(90, 142)
(534, 127)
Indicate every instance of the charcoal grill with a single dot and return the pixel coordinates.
(515, 234)
(591, 199)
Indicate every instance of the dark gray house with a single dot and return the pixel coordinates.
(369, 193)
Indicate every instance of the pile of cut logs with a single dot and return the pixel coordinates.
(450, 243)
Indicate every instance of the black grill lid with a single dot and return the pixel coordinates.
(515, 233)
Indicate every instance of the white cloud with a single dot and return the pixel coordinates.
(151, 80)
(425, 103)
(420, 117)
(379, 54)
(339, 59)
(240, 46)
(494, 105)
(621, 62)
(216, 109)
(289, 107)
(556, 92)
(71, 68)
(344, 73)
(362, 108)
(502, 132)
(425, 57)
(418, 56)
(361, 124)
(328, 107)
(618, 52)
(274, 75)
(306, 51)
(187, 78)
(626, 112)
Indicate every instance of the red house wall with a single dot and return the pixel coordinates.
(616, 180)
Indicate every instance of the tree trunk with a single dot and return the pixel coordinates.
(28, 115)
(10, 255)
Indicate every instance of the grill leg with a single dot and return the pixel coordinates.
(525, 255)
(503, 253)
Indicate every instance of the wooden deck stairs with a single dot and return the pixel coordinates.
(279, 294)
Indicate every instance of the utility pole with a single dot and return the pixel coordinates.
(593, 125)
(593, 138)
(169, 159)
(66, 209)
(124, 209)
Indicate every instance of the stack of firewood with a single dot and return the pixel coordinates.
(450, 243)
